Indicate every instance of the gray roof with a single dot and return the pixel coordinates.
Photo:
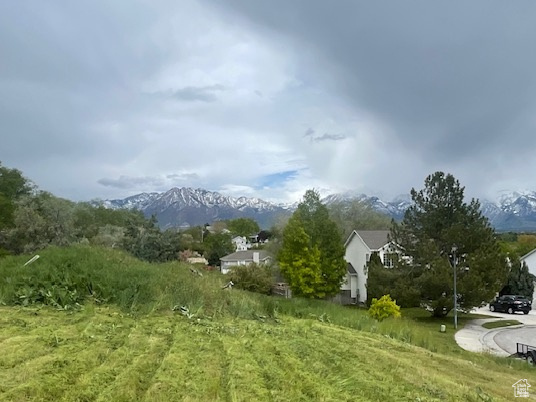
(351, 269)
(374, 239)
(246, 255)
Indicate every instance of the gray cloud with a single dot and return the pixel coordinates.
(329, 137)
(125, 182)
(446, 91)
(183, 176)
(104, 99)
(309, 132)
(203, 94)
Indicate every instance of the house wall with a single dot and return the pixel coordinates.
(356, 254)
(530, 260)
(226, 265)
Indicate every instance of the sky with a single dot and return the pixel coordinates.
(107, 99)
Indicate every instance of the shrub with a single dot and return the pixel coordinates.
(383, 308)
(253, 277)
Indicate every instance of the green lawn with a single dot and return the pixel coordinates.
(500, 324)
(102, 354)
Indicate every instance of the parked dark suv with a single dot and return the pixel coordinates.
(510, 304)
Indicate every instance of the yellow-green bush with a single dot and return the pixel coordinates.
(383, 308)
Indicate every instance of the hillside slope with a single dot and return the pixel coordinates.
(94, 324)
(101, 354)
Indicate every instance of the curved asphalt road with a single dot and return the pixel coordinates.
(499, 341)
(507, 338)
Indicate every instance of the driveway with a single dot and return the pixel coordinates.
(499, 341)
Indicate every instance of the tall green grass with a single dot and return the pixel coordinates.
(68, 278)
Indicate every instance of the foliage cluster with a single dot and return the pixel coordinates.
(311, 257)
(517, 244)
(66, 278)
(440, 231)
(520, 281)
(31, 220)
(242, 226)
(253, 277)
(393, 281)
(383, 308)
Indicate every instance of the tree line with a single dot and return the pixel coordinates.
(31, 219)
(440, 235)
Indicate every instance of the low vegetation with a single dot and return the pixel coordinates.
(500, 324)
(141, 331)
(384, 308)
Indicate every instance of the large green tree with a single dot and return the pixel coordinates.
(440, 230)
(520, 281)
(13, 186)
(217, 245)
(243, 226)
(41, 220)
(312, 254)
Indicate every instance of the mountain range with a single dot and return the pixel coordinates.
(184, 207)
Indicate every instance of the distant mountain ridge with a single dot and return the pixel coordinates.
(182, 207)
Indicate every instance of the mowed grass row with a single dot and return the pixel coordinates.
(102, 354)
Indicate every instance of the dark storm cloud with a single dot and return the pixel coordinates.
(452, 80)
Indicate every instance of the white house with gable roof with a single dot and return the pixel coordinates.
(361, 244)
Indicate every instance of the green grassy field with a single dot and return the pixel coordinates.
(233, 345)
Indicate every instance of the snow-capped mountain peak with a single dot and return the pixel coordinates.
(513, 211)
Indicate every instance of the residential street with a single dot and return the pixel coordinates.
(506, 339)
(499, 341)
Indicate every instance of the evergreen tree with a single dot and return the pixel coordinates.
(312, 247)
(440, 227)
(520, 280)
(299, 261)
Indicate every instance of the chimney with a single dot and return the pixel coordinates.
(256, 257)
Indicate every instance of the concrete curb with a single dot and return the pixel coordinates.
(475, 338)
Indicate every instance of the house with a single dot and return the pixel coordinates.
(241, 243)
(530, 260)
(244, 258)
(361, 244)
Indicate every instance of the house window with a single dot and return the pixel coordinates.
(389, 260)
(368, 257)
